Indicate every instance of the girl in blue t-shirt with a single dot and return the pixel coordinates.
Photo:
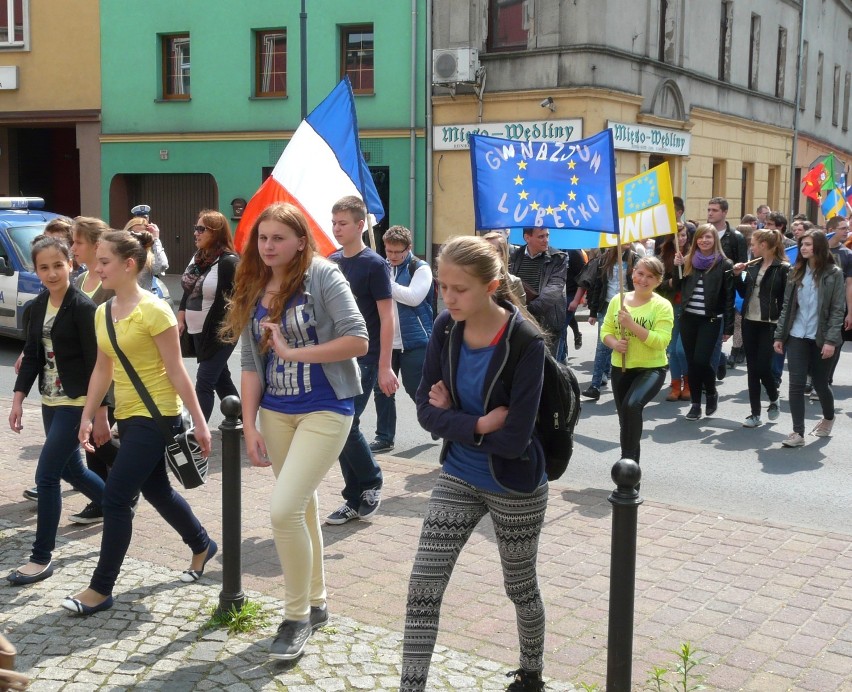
(492, 462)
(301, 334)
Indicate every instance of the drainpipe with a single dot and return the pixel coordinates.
(412, 124)
(793, 151)
(428, 104)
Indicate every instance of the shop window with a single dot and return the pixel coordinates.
(507, 25)
(754, 52)
(270, 63)
(175, 59)
(781, 62)
(835, 97)
(725, 36)
(14, 23)
(818, 101)
(357, 57)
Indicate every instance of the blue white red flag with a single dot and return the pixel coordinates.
(321, 163)
(556, 185)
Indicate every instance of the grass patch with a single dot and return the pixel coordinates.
(250, 618)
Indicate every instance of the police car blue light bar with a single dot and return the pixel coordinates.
(21, 203)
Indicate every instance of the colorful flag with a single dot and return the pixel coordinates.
(833, 204)
(320, 164)
(645, 210)
(812, 182)
(569, 186)
(828, 182)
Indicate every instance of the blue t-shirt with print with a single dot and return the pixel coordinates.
(291, 387)
(368, 275)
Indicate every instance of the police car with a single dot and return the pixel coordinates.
(21, 220)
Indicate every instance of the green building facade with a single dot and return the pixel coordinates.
(200, 97)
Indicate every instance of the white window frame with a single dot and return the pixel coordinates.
(25, 24)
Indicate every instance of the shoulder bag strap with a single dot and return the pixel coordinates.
(164, 427)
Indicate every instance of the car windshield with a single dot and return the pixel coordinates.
(22, 237)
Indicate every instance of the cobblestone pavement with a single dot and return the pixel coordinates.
(768, 606)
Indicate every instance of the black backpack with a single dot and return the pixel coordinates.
(558, 406)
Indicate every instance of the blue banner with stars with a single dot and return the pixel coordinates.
(558, 185)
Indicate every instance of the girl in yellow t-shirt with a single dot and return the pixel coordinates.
(640, 331)
(146, 331)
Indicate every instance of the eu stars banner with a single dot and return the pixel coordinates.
(568, 186)
(645, 210)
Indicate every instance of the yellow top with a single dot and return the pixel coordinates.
(657, 317)
(135, 335)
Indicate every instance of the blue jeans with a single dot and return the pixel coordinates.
(359, 467)
(803, 359)
(213, 377)
(59, 459)
(675, 352)
(603, 357)
(140, 466)
(408, 364)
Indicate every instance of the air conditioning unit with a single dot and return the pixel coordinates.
(453, 65)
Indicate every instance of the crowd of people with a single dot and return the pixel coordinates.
(319, 335)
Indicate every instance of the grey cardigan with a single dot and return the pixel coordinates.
(335, 314)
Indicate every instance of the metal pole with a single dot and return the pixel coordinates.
(231, 595)
(795, 146)
(622, 575)
(303, 42)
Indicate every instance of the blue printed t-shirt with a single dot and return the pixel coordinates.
(291, 387)
(468, 462)
(368, 275)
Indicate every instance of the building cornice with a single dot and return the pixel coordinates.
(45, 117)
(140, 137)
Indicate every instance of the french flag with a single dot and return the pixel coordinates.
(320, 164)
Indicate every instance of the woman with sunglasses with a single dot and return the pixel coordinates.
(207, 283)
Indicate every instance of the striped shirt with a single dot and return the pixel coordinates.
(530, 270)
(696, 304)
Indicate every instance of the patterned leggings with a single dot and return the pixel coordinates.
(455, 509)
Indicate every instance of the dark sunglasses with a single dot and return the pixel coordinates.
(200, 229)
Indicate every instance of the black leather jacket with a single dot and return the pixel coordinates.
(550, 306)
(718, 291)
(771, 288)
(734, 245)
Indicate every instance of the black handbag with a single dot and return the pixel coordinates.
(187, 344)
(183, 453)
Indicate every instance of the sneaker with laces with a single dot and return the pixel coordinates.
(525, 681)
(773, 411)
(341, 515)
(91, 514)
(290, 641)
(814, 395)
(823, 428)
(319, 617)
(794, 440)
(370, 501)
(31, 494)
(694, 412)
(752, 422)
(379, 446)
(592, 393)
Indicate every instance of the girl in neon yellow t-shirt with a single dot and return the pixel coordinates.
(146, 331)
(639, 332)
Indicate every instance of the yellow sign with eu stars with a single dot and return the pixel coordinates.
(645, 208)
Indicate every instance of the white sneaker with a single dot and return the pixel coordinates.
(794, 440)
(752, 422)
(823, 428)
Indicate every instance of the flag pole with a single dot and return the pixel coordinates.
(621, 298)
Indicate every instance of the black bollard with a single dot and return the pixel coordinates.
(231, 595)
(622, 575)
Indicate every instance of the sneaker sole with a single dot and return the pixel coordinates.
(369, 516)
(383, 450)
(338, 522)
(793, 445)
(84, 520)
(288, 657)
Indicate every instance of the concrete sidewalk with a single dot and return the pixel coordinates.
(768, 606)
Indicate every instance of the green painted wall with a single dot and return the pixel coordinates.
(222, 78)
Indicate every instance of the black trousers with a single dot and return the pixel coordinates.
(699, 335)
(758, 342)
(632, 390)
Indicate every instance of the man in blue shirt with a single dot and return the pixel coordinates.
(369, 279)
